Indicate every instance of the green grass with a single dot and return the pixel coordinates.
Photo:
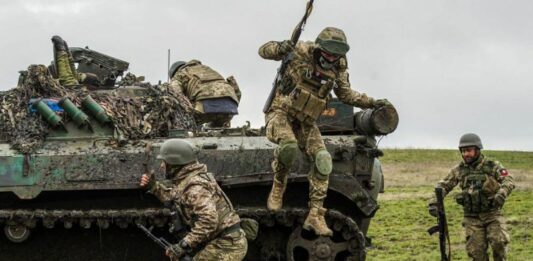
(399, 229)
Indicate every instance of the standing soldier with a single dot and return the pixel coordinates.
(313, 70)
(485, 186)
(214, 98)
(215, 232)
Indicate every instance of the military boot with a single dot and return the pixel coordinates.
(59, 43)
(275, 198)
(316, 222)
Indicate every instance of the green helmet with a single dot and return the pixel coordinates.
(174, 68)
(177, 152)
(469, 140)
(333, 40)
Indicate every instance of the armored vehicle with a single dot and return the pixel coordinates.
(76, 195)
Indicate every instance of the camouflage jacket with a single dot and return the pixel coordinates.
(201, 202)
(483, 177)
(199, 82)
(302, 62)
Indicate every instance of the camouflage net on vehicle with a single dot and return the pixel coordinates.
(139, 117)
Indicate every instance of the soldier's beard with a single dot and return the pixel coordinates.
(470, 160)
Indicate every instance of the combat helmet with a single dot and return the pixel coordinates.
(177, 152)
(333, 40)
(469, 140)
(174, 68)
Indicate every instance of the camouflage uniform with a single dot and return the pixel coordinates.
(199, 82)
(65, 69)
(67, 76)
(205, 209)
(481, 181)
(292, 116)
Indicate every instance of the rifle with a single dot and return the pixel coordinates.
(162, 242)
(281, 70)
(441, 227)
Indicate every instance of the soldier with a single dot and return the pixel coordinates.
(485, 186)
(214, 98)
(313, 70)
(215, 232)
(65, 69)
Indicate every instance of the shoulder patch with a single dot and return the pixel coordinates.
(504, 173)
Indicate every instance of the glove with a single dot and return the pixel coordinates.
(286, 47)
(433, 210)
(498, 200)
(380, 103)
(175, 251)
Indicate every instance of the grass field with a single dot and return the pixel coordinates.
(398, 230)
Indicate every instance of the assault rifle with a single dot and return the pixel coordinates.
(107, 68)
(441, 227)
(281, 70)
(162, 242)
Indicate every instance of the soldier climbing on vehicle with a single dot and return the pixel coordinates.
(214, 98)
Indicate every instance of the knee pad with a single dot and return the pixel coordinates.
(287, 152)
(323, 164)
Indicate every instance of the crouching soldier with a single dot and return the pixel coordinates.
(215, 232)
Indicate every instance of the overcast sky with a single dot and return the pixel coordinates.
(449, 66)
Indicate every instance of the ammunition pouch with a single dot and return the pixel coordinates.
(305, 106)
(474, 203)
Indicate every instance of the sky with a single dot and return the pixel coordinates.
(449, 66)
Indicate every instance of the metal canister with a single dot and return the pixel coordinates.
(76, 114)
(48, 114)
(381, 121)
(95, 109)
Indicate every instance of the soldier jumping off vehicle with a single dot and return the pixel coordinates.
(313, 70)
(214, 98)
(485, 186)
(215, 232)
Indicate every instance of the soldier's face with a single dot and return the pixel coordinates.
(163, 166)
(329, 57)
(469, 154)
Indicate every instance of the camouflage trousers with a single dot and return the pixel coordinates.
(487, 228)
(281, 128)
(66, 76)
(231, 247)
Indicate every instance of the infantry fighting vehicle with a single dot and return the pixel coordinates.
(77, 196)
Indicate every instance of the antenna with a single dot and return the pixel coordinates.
(168, 65)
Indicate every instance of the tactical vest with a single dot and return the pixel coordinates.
(475, 198)
(306, 91)
(223, 205)
(206, 83)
